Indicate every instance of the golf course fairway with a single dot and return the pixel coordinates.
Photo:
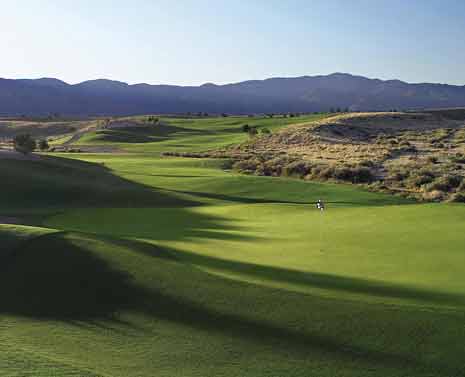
(141, 265)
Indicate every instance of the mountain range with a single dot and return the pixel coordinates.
(47, 96)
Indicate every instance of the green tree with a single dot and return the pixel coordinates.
(43, 145)
(253, 132)
(24, 143)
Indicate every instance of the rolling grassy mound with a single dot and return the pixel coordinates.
(121, 307)
(14, 236)
(178, 134)
(149, 266)
(54, 183)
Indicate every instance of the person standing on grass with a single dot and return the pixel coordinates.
(320, 205)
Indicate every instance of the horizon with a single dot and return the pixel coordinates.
(191, 44)
(227, 83)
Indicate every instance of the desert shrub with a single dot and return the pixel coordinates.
(396, 176)
(361, 175)
(458, 197)
(459, 158)
(445, 183)
(378, 186)
(259, 170)
(227, 164)
(171, 154)
(461, 187)
(296, 168)
(348, 174)
(453, 180)
(422, 177)
(315, 172)
(408, 149)
(432, 159)
(343, 174)
(434, 195)
(246, 166)
(326, 173)
(367, 164)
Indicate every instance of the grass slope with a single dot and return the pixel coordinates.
(174, 267)
(177, 134)
(52, 184)
(124, 308)
(13, 236)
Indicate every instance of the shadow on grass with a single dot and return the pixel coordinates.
(161, 224)
(66, 183)
(145, 134)
(65, 277)
(166, 175)
(320, 280)
(248, 200)
(55, 276)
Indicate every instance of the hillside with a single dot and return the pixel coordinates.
(275, 95)
(134, 263)
(421, 155)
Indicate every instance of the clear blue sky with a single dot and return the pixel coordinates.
(195, 41)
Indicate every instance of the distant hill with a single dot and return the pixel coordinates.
(300, 94)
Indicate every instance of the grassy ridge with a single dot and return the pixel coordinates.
(176, 134)
(204, 180)
(13, 236)
(54, 183)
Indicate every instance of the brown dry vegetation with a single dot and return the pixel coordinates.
(39, 129)
(420, 155)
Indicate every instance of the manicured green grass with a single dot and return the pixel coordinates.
(53, 184)
(13, 236)
(389, 248)
(122, 308)
(177, 134)
(173, 267)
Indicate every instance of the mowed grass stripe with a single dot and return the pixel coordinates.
(164, 304)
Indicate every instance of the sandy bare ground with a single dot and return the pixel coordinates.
(9, 129)
(117, 124)
(362, 126)
(384, 139)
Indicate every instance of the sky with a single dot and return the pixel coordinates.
(191, 42)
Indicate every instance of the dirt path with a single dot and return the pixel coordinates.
(76, 136)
